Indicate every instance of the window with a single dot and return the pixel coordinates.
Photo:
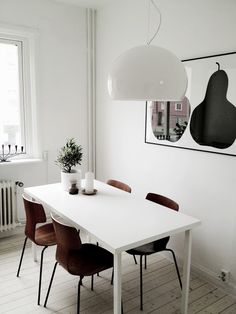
(178, 106)
(11, 95)
(17, 92)
(160, 118)
(163, 106)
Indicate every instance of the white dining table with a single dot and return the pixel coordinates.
(119, 221)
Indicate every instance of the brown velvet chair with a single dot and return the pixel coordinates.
(155, 246)
(42, 235)
(78, 259)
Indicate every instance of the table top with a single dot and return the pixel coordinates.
(116, 219)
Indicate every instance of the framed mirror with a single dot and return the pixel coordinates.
(169, 119)
(205, 120)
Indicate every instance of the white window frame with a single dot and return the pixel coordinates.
(27, 39)
(19, 45)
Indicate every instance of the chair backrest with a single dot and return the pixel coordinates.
(120, 185)
(34, 214)
(68, 239)
(162, 200)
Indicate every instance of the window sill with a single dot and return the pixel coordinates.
(21, 161)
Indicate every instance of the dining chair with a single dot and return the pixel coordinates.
(155, 246)
(76, 258)
(42, 235)
(120, 185)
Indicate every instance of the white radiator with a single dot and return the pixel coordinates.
(7, 205)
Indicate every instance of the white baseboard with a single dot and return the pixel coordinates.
(213, 277)
(207, 274)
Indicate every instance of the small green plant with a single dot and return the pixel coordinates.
(69, 156)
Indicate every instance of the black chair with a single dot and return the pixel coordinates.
(76, 258)
(43, 235)
(155, 246)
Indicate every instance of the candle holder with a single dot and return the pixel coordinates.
(9, 153)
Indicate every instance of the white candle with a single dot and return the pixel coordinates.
(89, 182)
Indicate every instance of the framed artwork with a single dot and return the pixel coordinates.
(205, 120)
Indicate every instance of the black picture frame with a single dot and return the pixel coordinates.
(204, 67)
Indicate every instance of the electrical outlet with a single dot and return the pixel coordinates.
(224, 275)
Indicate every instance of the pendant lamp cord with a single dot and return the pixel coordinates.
(159, 25)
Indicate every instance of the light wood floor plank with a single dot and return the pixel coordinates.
(229, 310)
(219, 305)
(162, 293)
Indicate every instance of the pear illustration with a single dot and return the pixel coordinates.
(213, 121)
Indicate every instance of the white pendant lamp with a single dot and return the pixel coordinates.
(147, 73)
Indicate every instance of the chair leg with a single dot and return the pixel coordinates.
(97, 245)
(78, 300)
(176, 266)
(40, 274)
(21, 258)
(92, 277)
(141, 282)
(135, 259)
(50, 284)
(112, 276)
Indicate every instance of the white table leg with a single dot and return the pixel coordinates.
(34, 251)
(186, 271)
(117, 283)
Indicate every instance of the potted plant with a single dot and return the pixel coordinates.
(68, 157)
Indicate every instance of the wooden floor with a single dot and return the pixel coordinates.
(161, 288)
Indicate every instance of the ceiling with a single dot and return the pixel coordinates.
(87, 3)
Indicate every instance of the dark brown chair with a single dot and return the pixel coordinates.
(77, 258)
(43, 235)
(120, 185)
(155, 246)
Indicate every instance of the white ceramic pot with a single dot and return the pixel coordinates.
(72, 177)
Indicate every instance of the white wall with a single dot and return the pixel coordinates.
(203, 184)
(60, 82)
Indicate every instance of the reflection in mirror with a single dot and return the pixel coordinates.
(170, 119)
